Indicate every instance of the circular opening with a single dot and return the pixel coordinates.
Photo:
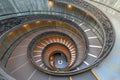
(59, 60)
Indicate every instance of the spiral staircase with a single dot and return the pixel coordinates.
(57, 40)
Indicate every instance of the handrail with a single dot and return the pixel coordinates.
(71, 16)
(105, 5)
(104, 23)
